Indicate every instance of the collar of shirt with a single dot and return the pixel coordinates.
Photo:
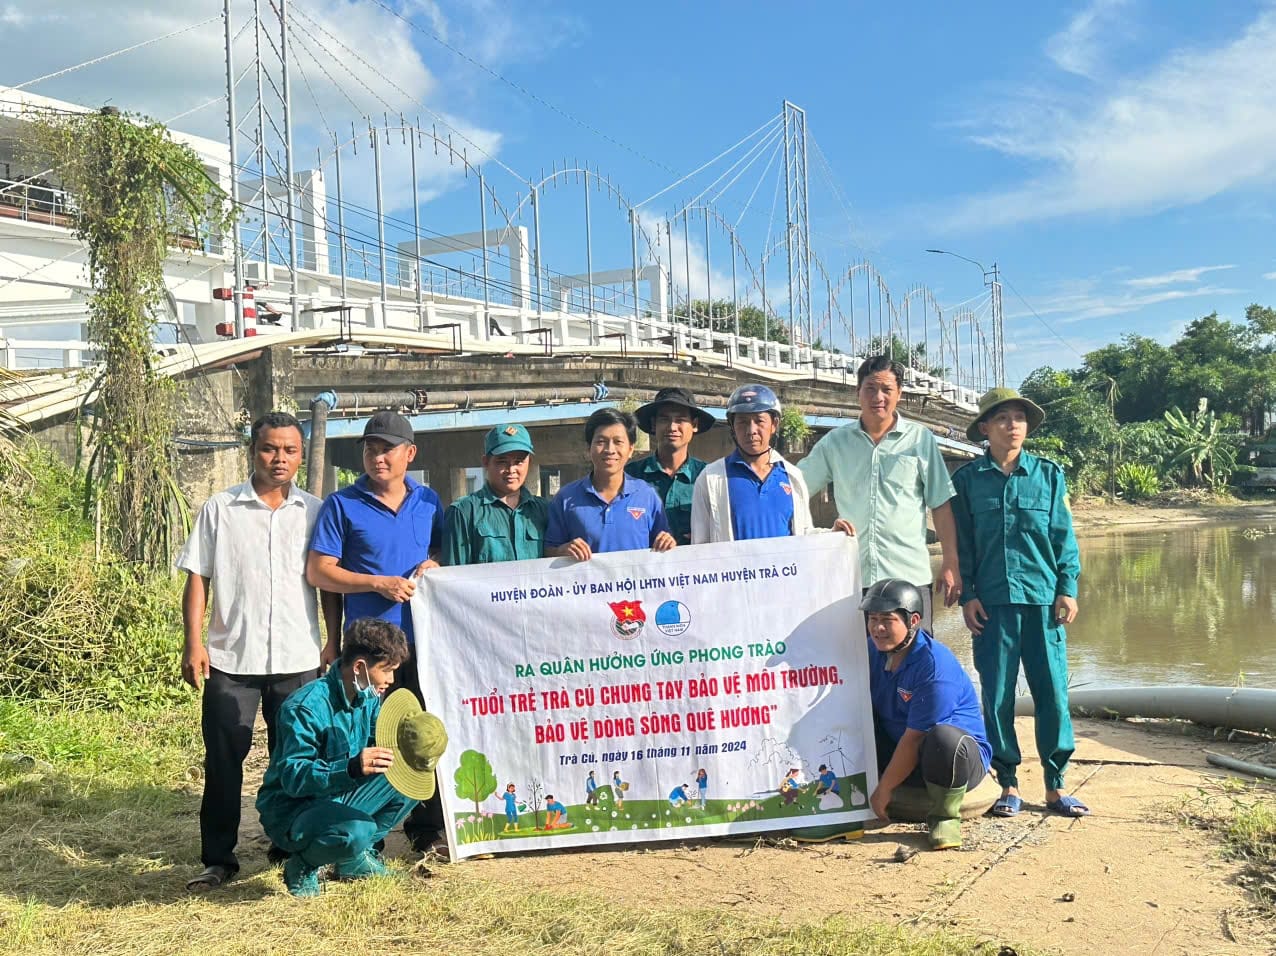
(246, 492)
(894, 431)
(686, 471)
(337, 695)
(626, 487)
(736, 459)
(488, 497)
(363, 487)
(987, 463)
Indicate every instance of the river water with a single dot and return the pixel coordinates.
(1194, 604)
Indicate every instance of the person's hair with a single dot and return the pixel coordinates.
(374, 640)
(548, 797)
(273, 420)
(879, 363)
(823, 767)
(510, 786)
(605, 417)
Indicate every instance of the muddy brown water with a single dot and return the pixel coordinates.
(1170, 605)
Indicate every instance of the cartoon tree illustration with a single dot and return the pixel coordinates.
(475, 778)
(535, 800)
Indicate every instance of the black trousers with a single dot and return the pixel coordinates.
(424, 824)
(229, 711)
(949, 758)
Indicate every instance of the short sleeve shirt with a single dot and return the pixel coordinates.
(760, 508)
(366, 537)
(884, 489)
(629, 522)
(264, 618)
(929, 688)
(675, 490)
(482, 529)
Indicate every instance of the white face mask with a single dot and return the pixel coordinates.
(364, 693)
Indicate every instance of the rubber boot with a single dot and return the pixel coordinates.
(944, 819)
(827, 834)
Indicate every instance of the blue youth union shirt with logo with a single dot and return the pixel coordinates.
(629, 522)
(759, 509)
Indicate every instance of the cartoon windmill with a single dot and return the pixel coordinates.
(835, 747)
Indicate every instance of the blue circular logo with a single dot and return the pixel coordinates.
(673, 618)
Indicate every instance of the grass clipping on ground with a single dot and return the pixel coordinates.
(99, 832)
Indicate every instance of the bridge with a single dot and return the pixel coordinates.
(549, 294)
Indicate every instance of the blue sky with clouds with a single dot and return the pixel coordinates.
(1114, 157)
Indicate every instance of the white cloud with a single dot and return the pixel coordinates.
(1085, 299)
(1197, 124)
(1079, 46)
(1176, 277)
(1269, 275)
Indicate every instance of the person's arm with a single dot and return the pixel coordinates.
(948, 581)
(661, 538)
(558, 544)
(902, 763)
(815, 468)
(1063, 541)
(195, 665)
(323, 572)
(303, 771)
(972, 608)
(333, 606)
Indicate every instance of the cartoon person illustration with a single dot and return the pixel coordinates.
(828, 789)
(556, 814)
(790, 789)
(702, 784)
(679, 797)
(591, 790)
(618, 788)
(510, 796)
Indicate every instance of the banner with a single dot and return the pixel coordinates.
(710, 690)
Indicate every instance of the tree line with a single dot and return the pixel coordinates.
(1139, 416)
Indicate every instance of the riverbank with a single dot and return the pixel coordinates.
(1098, 516)
(101, 832)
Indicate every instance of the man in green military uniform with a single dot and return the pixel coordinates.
(331, 792)
(1019, 567)
(502, 521)
(672, 419)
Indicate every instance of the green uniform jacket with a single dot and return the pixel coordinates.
(482, 529)
(319, 732)
(674, 490)
(1014, 533)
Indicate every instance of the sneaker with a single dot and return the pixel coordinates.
(366, 864)
(827, 834)
(301, 880)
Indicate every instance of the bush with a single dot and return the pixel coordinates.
(1137, 482)
(76, 629)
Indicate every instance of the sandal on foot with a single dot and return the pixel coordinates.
(1008, 805)
(212, 877)
(1068, 806)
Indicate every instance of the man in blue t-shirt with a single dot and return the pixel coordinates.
(828, 782)
(371, 542)
(926, 712)
(555, 814)
(607, 510)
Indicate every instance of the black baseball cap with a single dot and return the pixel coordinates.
(390, 427)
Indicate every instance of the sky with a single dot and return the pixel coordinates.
(1114, 158)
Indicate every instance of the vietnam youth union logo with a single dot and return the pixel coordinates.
(905, 695)
(629, 619)
(672, 618)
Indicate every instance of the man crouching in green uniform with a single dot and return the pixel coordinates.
(1019, 568)
(345, 770)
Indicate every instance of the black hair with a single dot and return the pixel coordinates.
(879, 363)
(605, 417)
(273, 420)
(376, 641)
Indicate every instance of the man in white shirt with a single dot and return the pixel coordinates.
(249, 544)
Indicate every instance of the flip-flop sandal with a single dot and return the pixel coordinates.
(1068, 806)
(212, 877)
(1006, 806)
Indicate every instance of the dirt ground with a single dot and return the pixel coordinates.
(1129, 879)
(1097, 516)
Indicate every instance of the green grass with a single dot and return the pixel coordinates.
(1244, 815)
(99, 830)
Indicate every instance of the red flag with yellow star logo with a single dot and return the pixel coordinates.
(627, 610)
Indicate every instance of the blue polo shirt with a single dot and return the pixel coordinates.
(929, 688)
(629, 522)
(366, 537)
(759, 509)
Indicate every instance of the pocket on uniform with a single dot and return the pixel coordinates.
(900, 470)
(1034, 510)
(423, 529)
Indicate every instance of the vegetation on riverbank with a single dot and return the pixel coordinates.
(1244, 816)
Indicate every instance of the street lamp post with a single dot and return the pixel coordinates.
(992, 279)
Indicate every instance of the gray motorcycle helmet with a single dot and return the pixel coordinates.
(893, 595)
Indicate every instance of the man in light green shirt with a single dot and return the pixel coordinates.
(501, 521)
(886, 472)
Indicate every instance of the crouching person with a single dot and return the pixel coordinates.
(925, 711)
(347, 769)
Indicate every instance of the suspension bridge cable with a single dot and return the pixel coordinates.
(747, 158)
(777, 139)
(324, 70)
(115, 53)
(704, 166)
(1048, 326)
(310, 91)
(758, 185)
(522, 89)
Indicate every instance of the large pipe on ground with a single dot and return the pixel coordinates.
(1241, 708)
